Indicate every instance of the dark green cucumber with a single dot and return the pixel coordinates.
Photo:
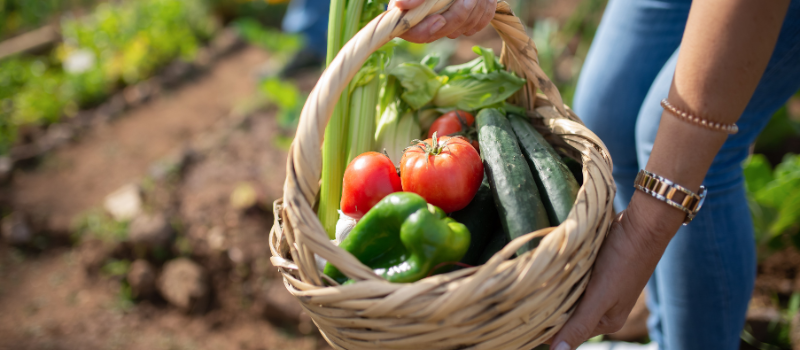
(556, 183)
(513, 187)
(497, 241)
(481, 218)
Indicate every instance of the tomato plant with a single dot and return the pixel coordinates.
(455, 123)
(367, 179)
(446, 171)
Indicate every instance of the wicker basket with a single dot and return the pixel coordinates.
(504, 304)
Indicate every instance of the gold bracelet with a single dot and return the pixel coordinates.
(666, 191)
(728, 128)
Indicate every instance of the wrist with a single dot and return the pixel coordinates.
(653, 220)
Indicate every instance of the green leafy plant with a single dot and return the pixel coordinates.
(98, 224)
(287, 98)
(114, 45)
(272, 40)
(20, 15)
(778, 331)
(116, 268)
(774, 197)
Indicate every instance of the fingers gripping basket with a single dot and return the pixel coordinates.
(504, 304)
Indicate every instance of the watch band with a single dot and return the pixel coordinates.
(670, 193)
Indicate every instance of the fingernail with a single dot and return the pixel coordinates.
(469, 4)
(438, 25)
(562, 346)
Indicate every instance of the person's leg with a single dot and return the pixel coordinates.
(703, 283)
(310, 19)
(634, 40)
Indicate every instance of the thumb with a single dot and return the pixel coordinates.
(579, 328)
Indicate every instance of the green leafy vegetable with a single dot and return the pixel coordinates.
(419, 81)
(477, 84)
(476, 91)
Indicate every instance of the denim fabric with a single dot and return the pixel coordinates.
(699, 292)
(309, 18)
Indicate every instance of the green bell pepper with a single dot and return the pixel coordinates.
(403, 238)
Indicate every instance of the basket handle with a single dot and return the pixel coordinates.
(304, 164)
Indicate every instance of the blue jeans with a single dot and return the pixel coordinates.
(699, 292)
(310, 19)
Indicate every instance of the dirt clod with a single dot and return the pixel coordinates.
(6, 166)
(280, 306)
(142, 279)
(93, 253)
(125, 203)
(16, 230)
(184, 283)
(152, 230)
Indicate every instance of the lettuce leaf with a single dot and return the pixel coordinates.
(420, 83)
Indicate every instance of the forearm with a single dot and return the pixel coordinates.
(725, 50)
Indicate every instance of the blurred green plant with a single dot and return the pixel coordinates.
(774, 198)
(130, 40)
(97, 224)
(563, 45)
(779, 330)
(116, 44)
(287, 98)
(116, 268)
(18, 15)
(272, 40)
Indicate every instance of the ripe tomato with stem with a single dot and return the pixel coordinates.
(446, 171)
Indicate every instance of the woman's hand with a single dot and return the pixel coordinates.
(628, 257)
(464, 17)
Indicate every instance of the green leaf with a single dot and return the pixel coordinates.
(431, 60)
(364, 76)
(282, 93)
(287, 97)
(372, 8)
(488, 58)
(757, 173)
(486, 63)
(777, 192)
(462, 69)
(788, 215)
(475, 91)
(789, 166)
(419, 81)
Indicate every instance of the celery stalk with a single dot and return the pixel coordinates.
(335, 25)
(363, 108)
(334, 147)
(334, 143)
(352, 126)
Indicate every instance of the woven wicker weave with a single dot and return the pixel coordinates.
(504, 304)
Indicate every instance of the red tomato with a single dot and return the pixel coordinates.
(367, 179)
(451, 123)
(454, 122)
(446, 172)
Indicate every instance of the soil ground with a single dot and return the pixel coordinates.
(79, 175)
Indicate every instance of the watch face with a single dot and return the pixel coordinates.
(702, 196)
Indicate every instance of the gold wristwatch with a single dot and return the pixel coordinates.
(671, 193)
